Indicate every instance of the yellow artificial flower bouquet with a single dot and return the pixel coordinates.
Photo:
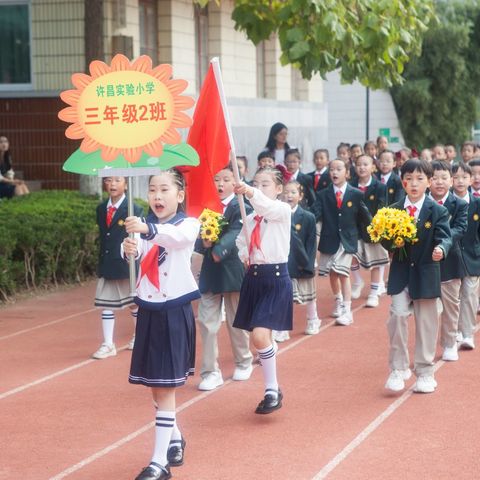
(212, 224)
(395, 226)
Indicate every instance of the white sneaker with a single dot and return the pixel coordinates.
(450, 354)
(357, 290)
(459, 337)
(396, 379)
(242, 373)
(425, 384)
(338, 309)
(467, 343)
(381, 289)
(105, 351)
(313, 326)
(131, 343)
(211, 381)
(345, 319)
(280, 335)
(372, 300)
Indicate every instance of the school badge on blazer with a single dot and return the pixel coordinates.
(349, 204)
(121, 223)
(475, 217)
(298, 227)
(372, 197)
(428, 225)
(390, 190)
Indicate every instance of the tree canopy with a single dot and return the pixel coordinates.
(366, 40)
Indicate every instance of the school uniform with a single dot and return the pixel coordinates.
(301, 259)
(470, 255)
(395, 191)
(341, 221)
(452, 270)
(164, 350)
(113, 286)
(371, 255)
(416, 279)
(222, 280)
(320, 180)
(307, 184)
(266, 297)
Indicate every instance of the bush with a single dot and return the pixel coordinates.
(47, 238)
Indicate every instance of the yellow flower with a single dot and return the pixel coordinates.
(399, 242)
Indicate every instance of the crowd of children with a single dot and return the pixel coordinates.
(298, 226)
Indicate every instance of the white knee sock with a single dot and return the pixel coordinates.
(348, 306)
(176, 435)
(164, 422)
(312, 310)
(382, 274)
(357, 278)
(268, 361)
(108, 324)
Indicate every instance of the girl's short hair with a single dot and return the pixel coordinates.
(417, 165)
(461, 166)
(440, 165)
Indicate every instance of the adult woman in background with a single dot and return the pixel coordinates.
(277, 142)
(8, 185)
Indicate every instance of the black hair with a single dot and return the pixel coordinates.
(271, 142)
(6, 162)
(321, 150)
(297, 184)
(416, 165)
(265, 154)
(474, 163)
(355, 145)
(464, 166)
(387, 151)
(370, 142)
(345, 162)
(280, 174)
(293, 151)
(441, 165)
(342, 145)
(364, 155)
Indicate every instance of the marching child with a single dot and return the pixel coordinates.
(113, 286)
(469, 248)
(320, 176)
(266, 159)
(164, 351)
(475, 187)
(468, 151)
(391, 180)
(416, 280)
(452, 269)
(451, 153)
(221, 277)
(293, 161)
(343, 213)
(371, 256)
(266, 297)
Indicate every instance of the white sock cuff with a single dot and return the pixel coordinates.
(108, 314)
(165, 418)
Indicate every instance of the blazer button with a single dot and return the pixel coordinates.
(108, 234)
(106, 251)
(412, 264)
(339, 214)
(165, 273)
(339, 229)
(255, 273)
(149, 296)
(164, 295)
(277, 274)
(277, 267)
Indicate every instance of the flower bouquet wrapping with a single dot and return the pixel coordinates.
(394, 227)
(212, 225)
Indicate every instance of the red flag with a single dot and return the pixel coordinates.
(209, 137)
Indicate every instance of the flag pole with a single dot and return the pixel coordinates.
(233, 158)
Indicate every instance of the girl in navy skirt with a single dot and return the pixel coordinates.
(266, 297)
(164, 351)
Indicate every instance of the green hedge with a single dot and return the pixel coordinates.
(47, 238)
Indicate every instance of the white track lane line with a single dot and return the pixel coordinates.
(183, 406)
(53, 322)
(364, 434)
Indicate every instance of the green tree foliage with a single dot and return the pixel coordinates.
(437, 102)
(367, 40)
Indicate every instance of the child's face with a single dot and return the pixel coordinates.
(415, 184)
(461, 181)
(3, 144)
(385, 163)
(266, 162)
(291, 194)
(338, 172)
(356, 152)
(382, 144)
(224, 182)
(476, 178)
(164, 196)
(242, 168)
(371, 150)
(320, 160)
(399, 161)
(344, 153)
(364, 168)
(266, 184)
(450, 152)
(115, 187)
(292, 162)
(467, 153)
(440, 183)
(439, 153)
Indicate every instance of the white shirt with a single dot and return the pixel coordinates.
(443, 200)
(466, 197)
(280, 156)
(321, 172)
(295, 175)
(274, 231)
(418, 204)
(117, 204)
(342, 189)
(226, 201)
(386, 177)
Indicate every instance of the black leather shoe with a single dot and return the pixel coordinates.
(149, 473)
(175, 453)
(270, 403)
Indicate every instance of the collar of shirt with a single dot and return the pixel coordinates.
(295, 175)
(466, 197)
(226, 201)
(295, 208)
(366, 184)
(386, 177)
(340, 189)
(475, 191)
(116, 205)
(418, 204)
(321, 172)
(443, 200)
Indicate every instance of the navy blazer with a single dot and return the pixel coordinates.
(111, 264)
(340, 225)
(453, 266)
(470, 243)
(303, 244)
(395, 192)
(323, 182)
(418, 271)
(226, 275)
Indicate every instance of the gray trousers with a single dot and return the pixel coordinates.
(451, 312)
(468, 305)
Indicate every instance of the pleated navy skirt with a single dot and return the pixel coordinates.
(164, 350)
(266, 298)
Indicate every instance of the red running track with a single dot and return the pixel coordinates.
(63, 415)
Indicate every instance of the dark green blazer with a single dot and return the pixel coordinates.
(340, 225)
(323, 182)
(453, 267)
(226, 275)
(303, 244)
(111, 264)
(395, 192)
(470, 243)
(418, 271)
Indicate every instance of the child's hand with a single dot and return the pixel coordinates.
(243, 189)
(207, 243)
(135, 225)
(130, 246)
(437, 254)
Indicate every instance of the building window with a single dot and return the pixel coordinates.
(201, 43)
(15, 61)
(148, 29)
(261, 71)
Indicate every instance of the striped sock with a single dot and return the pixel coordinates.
(164, 422)
(374, 288)
(108, 324)
(268, 360)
